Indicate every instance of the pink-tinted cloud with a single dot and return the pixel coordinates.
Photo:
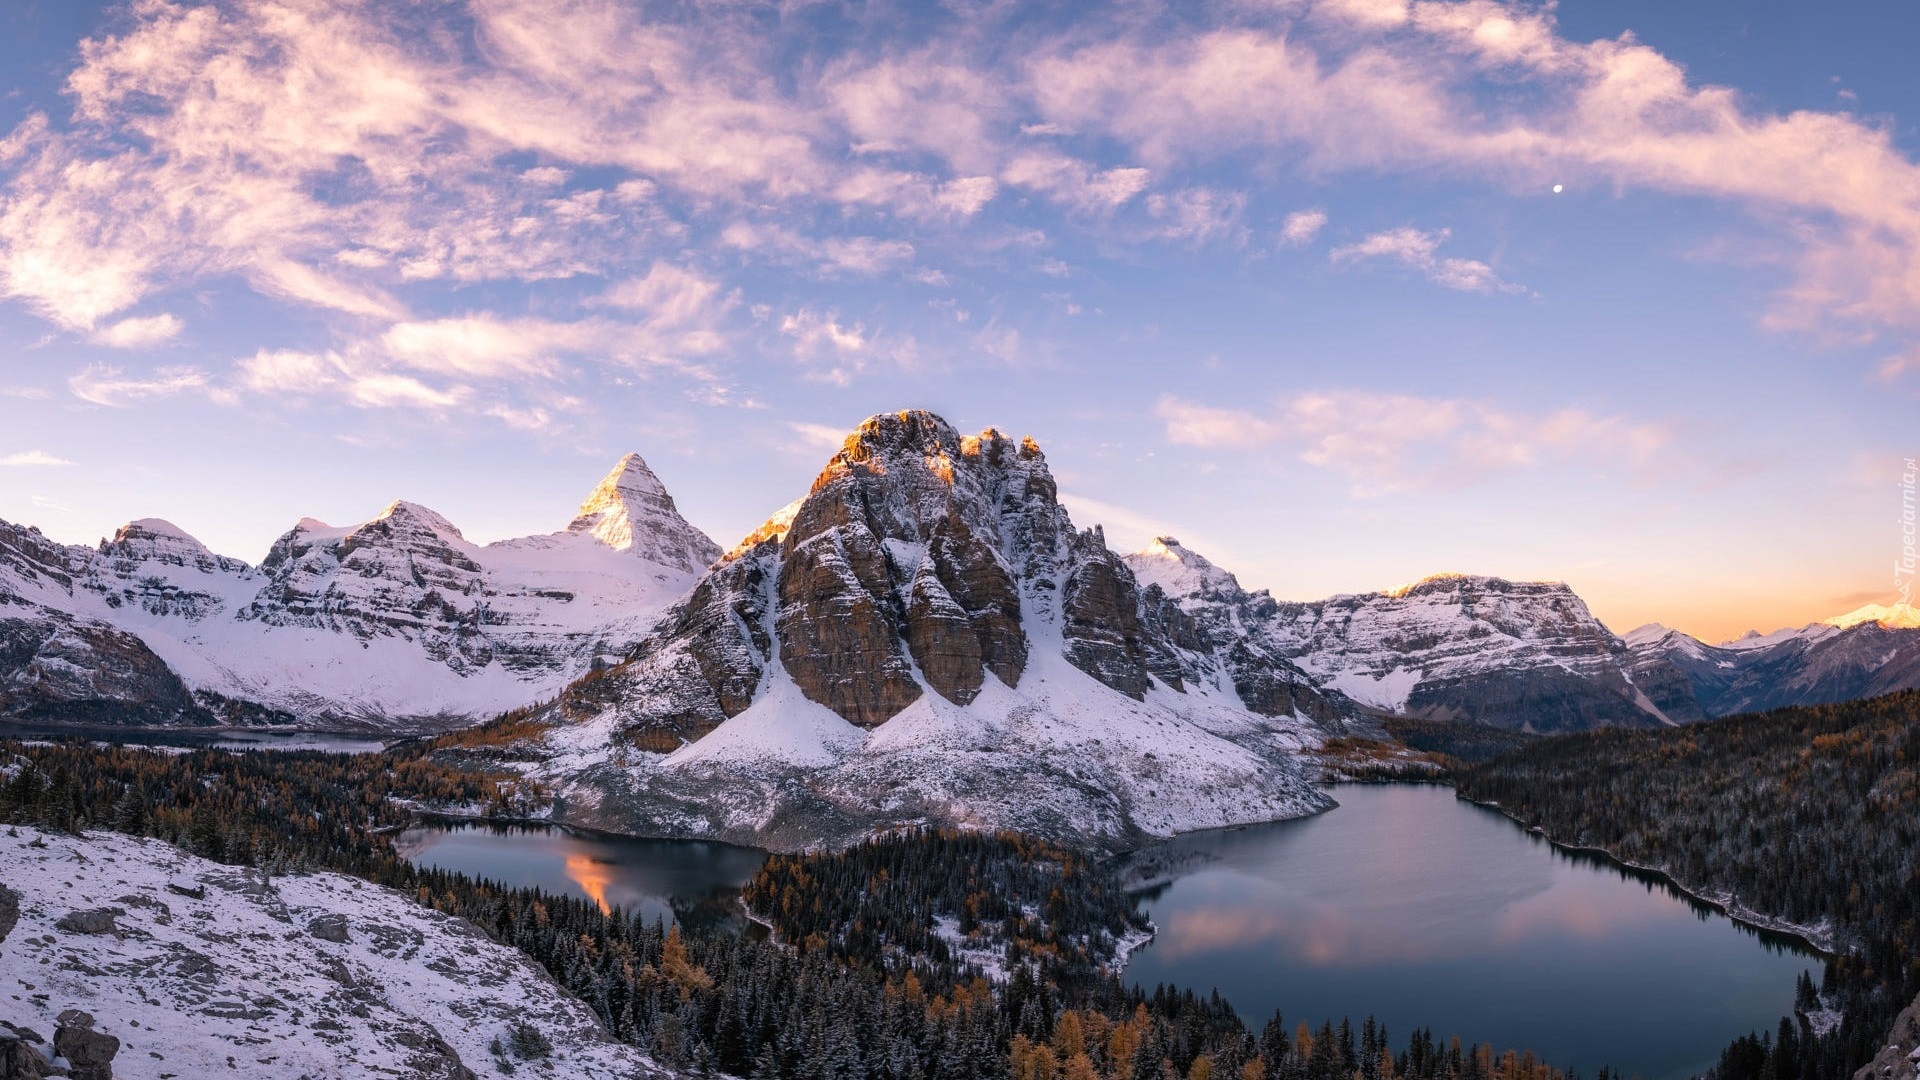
(1418, 250)
(1382, 443)
(114, 387)
(1301, 227)
(344, 155)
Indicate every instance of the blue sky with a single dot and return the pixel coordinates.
(1289, 280)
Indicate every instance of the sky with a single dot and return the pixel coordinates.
(1341, 293)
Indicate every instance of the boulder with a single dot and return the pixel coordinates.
(91, 921)
(88, 1052)
(329, 927)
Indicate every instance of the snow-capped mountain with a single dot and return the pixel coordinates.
(927, 637)
(1523, 655)
(398, 623)
(1861, 654)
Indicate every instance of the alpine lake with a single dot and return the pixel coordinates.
(1404, 904)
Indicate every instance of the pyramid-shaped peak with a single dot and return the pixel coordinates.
(630, 510)
(630, 476)
(1179, 570)
(630, 490)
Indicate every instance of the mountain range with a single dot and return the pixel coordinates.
(926, 571)
(394, 625)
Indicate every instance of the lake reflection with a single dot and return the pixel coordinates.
(696, 883)
(1425, 911)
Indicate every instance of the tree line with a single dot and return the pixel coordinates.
(1808, 814)
(876, 967)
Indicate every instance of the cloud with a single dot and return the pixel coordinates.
(865, 255)
(1894, 367)
(1301, 227)
(353, 158)
(1383, 443)
(1491, 92)
(494, 366)
(31, 458)
(360, 381)
(1128, 529)
(1000, 342)
(104, 384)
(818, 438)
(1198, 216)
(836, 351)
(1074, 183)
(143, 333)
(1415, 249)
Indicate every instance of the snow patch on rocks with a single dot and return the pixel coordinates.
(250, 977)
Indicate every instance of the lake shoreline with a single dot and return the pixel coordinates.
(1813, 939)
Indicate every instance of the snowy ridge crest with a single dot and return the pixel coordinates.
(397, 624)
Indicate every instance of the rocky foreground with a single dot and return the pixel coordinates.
(1899, 1058)
(123, 957)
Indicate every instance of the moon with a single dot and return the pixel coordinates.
(1557, 188)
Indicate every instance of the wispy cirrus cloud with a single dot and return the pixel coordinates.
(115, 388)
(1417, 250)
(27, 459)
(669, 321)
(1384, 443)
(834, 349)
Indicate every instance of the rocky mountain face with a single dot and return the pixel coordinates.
(397, 624)
(926, 635)
(1813, 665)
(1519, 655)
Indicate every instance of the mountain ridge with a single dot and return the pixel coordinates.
(395, 624)
(910, 568)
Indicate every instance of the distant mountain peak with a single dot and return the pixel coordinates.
(152, 534)
(400, 511)
(161, 541)
(1646, 633)
(630, 510)
(155, 527)
(1896, 617)
(1179, 570)
(1452, 581)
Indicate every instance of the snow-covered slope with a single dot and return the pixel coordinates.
(926, 637)
(396, 624)
(236, 982)
(1851, 656)
(1523, 655)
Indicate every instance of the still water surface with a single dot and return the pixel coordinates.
(1424, 911)
(693, 882)
(235, 739)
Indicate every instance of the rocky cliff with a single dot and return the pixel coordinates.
(927, 636)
